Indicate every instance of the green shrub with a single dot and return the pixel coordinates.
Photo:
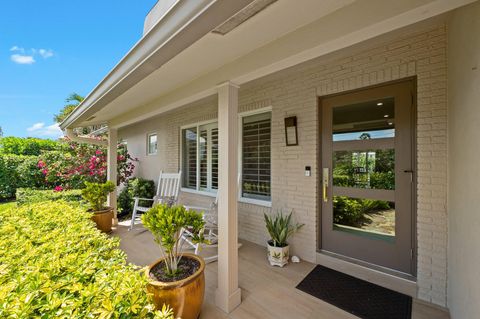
(18, 171)
(55, 264)
(96, 194)
(166, 224)
(26, 146)
(136, 187)
(351, 211)
(28, 196)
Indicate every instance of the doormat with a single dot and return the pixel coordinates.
(356, 296)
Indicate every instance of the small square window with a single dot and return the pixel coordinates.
(152, 144)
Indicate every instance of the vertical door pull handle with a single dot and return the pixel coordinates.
(325, 181)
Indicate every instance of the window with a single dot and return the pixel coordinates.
(200, 157)
(255, 168)
(152, 144)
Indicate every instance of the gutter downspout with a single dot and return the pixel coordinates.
(82, 139)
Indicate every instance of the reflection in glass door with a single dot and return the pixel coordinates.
(367, 176)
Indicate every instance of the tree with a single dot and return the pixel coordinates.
(1, 132)
(73, 100)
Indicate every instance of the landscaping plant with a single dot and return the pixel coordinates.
(135, 187)
(280, 228)
(55, 264)
(166, 224)
(96, 194)
(29, 195)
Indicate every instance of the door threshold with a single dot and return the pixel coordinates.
(388, 278)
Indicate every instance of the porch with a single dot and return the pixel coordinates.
(267, 292)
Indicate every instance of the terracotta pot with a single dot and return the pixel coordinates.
(277, 256)
(184, 296)
(103, 219)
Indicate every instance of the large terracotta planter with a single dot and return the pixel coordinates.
(184, 296)
(103, 219)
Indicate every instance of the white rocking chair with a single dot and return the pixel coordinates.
(167, 192)
(210, 231)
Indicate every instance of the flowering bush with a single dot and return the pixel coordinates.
(80, 163)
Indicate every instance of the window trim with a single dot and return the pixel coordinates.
(213, 193)
(260, 202)
(148, 144)
(197, 190)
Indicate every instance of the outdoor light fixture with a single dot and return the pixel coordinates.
(380, 103)
(291, 138)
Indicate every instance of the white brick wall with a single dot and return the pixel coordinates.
(295, 91)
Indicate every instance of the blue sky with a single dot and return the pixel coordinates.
(49, 49)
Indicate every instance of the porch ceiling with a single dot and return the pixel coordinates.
(284, 34)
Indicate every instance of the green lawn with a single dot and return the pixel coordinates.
(5, 206)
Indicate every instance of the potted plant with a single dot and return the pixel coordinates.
(96, 195)
(280, 229)
(176, 279)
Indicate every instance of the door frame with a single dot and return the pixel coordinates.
(413, 81)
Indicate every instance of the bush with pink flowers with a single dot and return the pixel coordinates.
(68, 166)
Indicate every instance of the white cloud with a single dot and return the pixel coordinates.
(50, 131)
(45, 53)
(22, 59)
(16, 48)
(22, 56)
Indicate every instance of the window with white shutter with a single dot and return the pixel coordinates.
(200, 157)
(256, 157)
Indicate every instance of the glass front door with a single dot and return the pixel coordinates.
(367, 176)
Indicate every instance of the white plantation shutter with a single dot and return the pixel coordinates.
(256, 156)
(189, 168)
(200, 157)
(215, 158)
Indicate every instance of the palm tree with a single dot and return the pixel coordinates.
(73, 100)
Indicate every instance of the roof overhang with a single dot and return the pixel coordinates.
(179, 60)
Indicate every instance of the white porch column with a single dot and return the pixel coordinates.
(228, 294)
(112, 169)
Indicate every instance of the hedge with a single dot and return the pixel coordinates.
(55, 264)
(26, 146)
(18, 171)
(29, 196)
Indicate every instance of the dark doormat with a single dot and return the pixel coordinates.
(356, 296)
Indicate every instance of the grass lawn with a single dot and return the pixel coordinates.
(5, 206)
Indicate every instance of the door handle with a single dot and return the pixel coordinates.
(325, 181)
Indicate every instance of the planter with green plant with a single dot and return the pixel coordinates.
(96, 195)
(177, 279)
(280, 228)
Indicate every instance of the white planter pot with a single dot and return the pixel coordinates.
(277, 256)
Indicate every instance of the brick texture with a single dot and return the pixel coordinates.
(295, 91)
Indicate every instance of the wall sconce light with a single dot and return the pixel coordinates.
(291, 131)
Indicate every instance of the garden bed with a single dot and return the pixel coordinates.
(55, 264)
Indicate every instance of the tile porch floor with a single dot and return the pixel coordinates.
(267, 292)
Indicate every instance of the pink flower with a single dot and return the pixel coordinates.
(45, 171)
(98, 152)
(58, 189)
(41, 164)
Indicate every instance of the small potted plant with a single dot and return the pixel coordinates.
(178, 278)
(96, 195)
(280, 229)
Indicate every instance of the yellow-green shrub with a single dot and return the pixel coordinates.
(55, 264)
(29, 196)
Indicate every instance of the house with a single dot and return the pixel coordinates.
(377, 100)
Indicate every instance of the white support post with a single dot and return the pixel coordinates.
(112, 169)
(228, 294)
